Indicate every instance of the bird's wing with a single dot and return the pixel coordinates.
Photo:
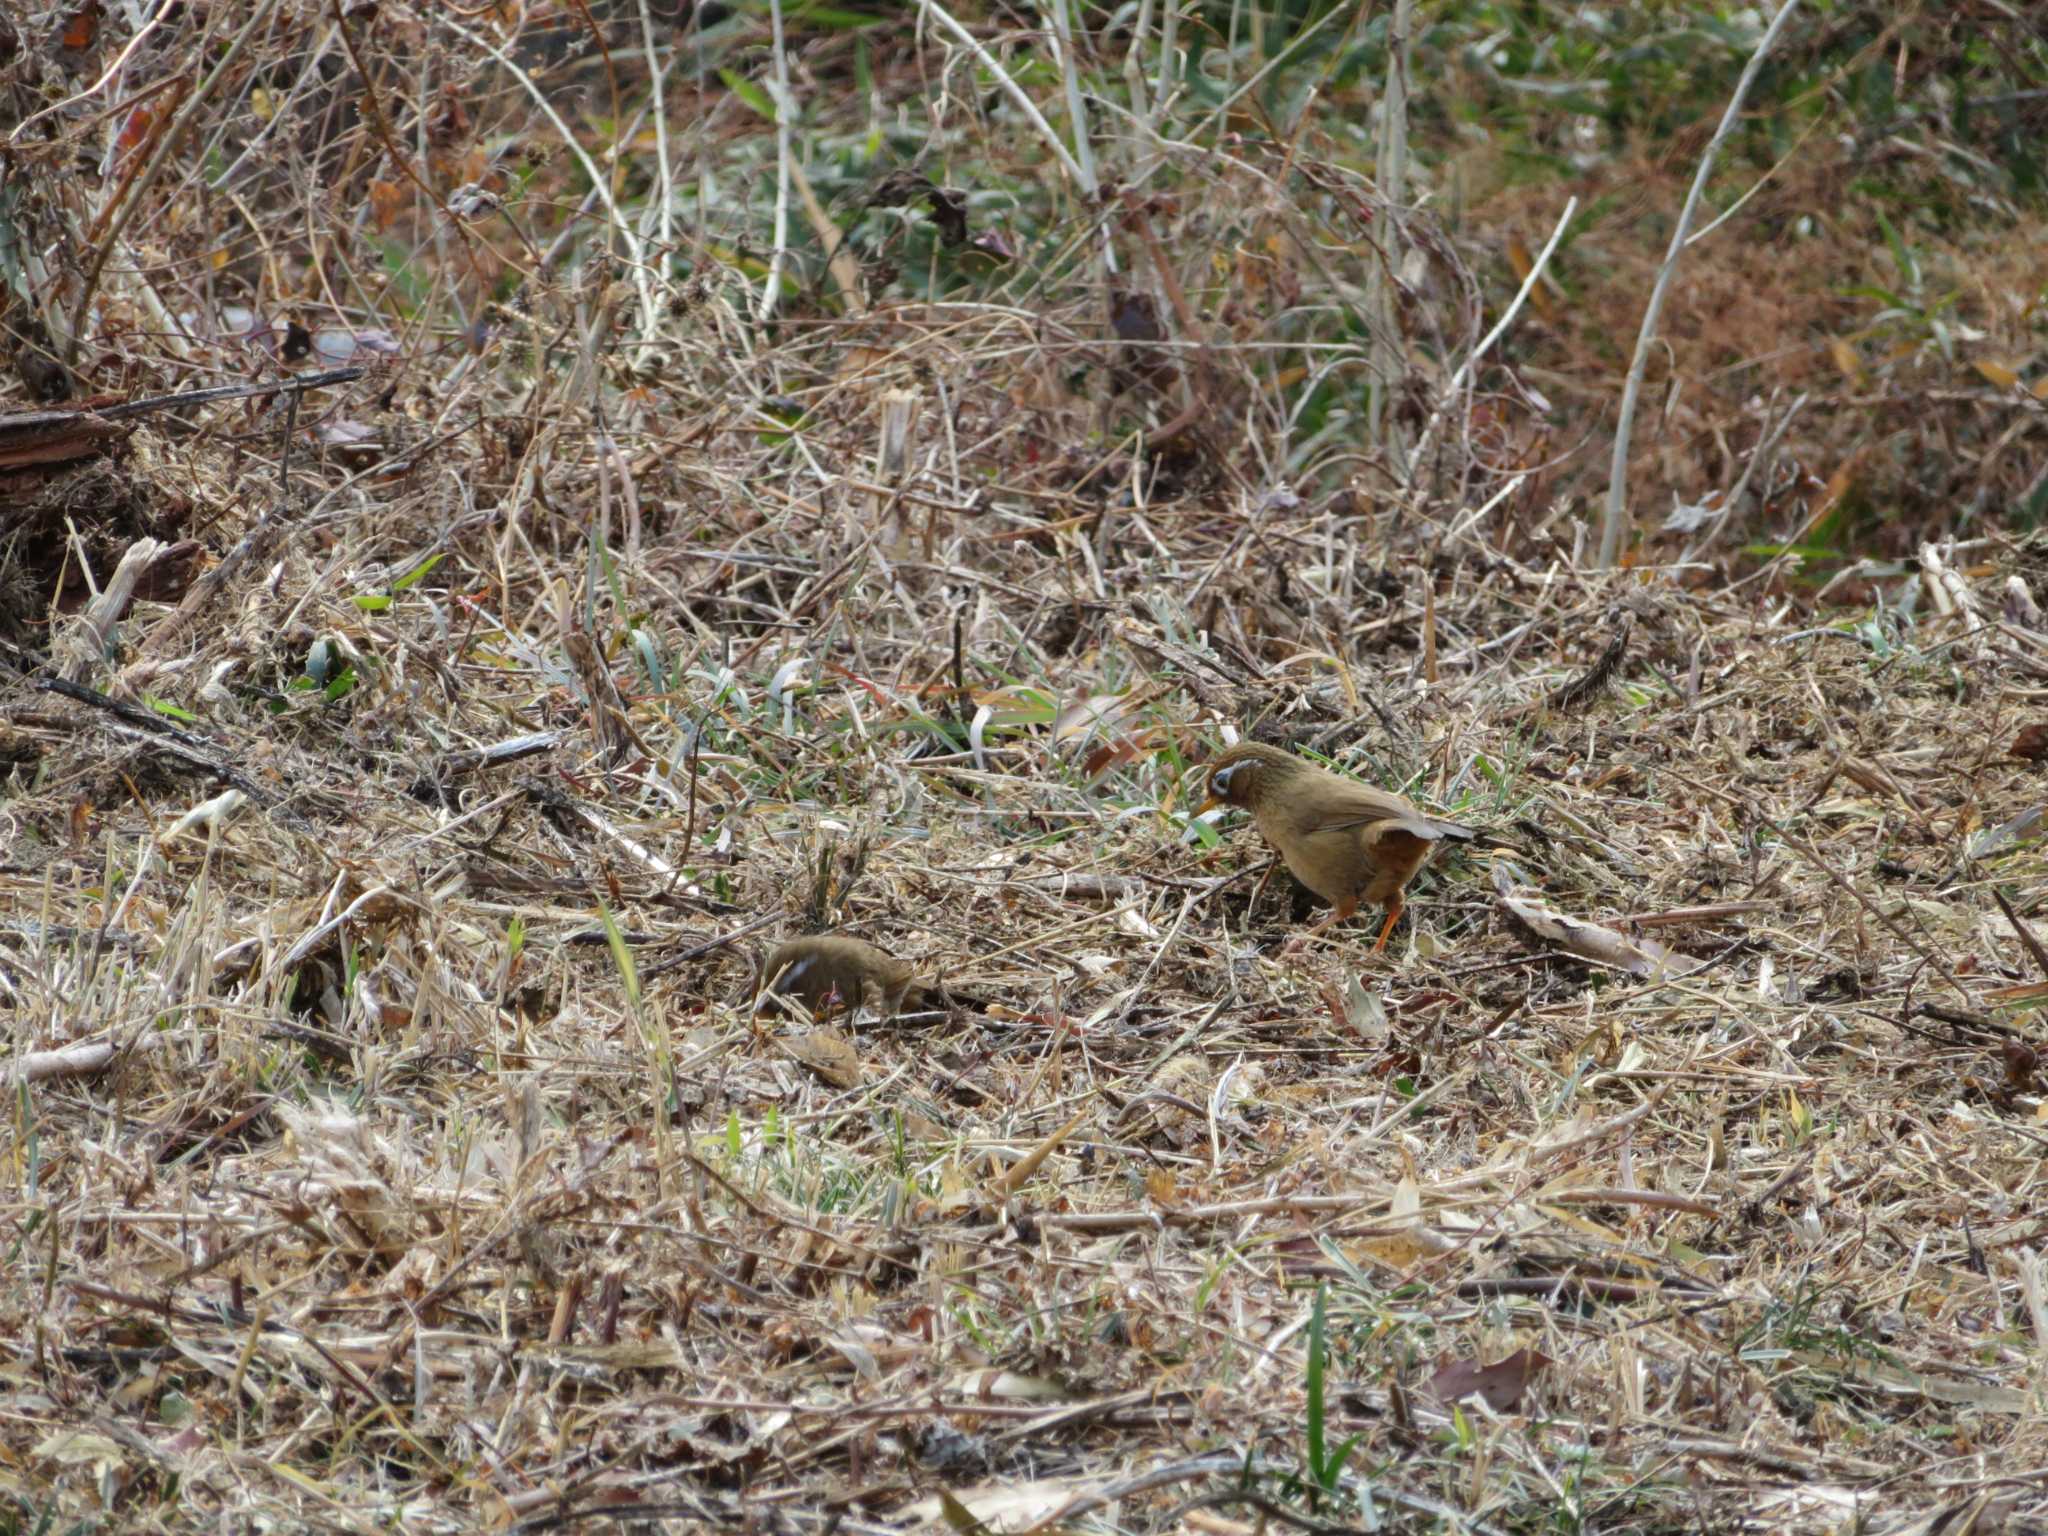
(1359, 805)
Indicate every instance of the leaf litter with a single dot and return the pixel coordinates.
(391, 1142)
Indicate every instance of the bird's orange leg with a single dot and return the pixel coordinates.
(1338, 913)
(1394, 908)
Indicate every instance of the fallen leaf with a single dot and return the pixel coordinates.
(829, 1054)
(2032, 742)
(1524, 263)
(340, 346)
(134, 131)
(1846, 362)
(1113, 755)
(1365, 1012)
(1691, 516)
(81, 1448)
(1133, 922)
(1636, 956)
(82, 28)
(2026, 824)
(990, 242)
(387, 200)
(1500, 1385)
(2021, 1060)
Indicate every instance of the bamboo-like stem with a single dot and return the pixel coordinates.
(785, 109)
(1387, 359)
(1615, 518)
(1014, 91)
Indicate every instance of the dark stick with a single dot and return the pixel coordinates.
(284, 450)
(226, 392)
(698, 951)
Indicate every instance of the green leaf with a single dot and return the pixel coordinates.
(418, 573)
(749, 92)
(1335, 1470)
(341, 687)
(370, 603)
(1805, 551)
(959, 1516)
(643, 644)
(166, 707)
(826, 17)
(1315, 1387)
(1908, 268)
(622, 957)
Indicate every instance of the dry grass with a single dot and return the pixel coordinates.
(388, 1147)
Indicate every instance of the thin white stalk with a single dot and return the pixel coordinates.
(1392, 175)
(1766, 446)
(657, 74)
(1169, 28)
(1470, 366)
(1077, 114)
(1134, 68)
(785, 109)
(1014, 91)
(1615, 518)
(635, 251)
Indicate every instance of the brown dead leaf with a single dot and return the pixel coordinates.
(829, 1054)
(1500, 1386)
(81, 28)
(387, 201)
(1112, 755)
(2031, 744)
(1524, 263)
(2021, 1061)
(1846, 362)
(1636, 956)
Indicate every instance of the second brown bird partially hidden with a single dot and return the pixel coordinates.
(832, 974)
(1346, 841)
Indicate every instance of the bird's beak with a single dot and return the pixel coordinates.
(1209, 803)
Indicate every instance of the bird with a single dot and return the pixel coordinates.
(1346, 841)
(830, 973)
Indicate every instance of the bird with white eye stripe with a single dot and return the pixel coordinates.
(1346, 841)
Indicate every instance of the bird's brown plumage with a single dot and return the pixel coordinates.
(832, 974)
(1346, 841)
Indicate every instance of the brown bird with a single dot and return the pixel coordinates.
(1346, 841)
(832, 973)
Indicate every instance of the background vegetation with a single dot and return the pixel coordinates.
(779, 467)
